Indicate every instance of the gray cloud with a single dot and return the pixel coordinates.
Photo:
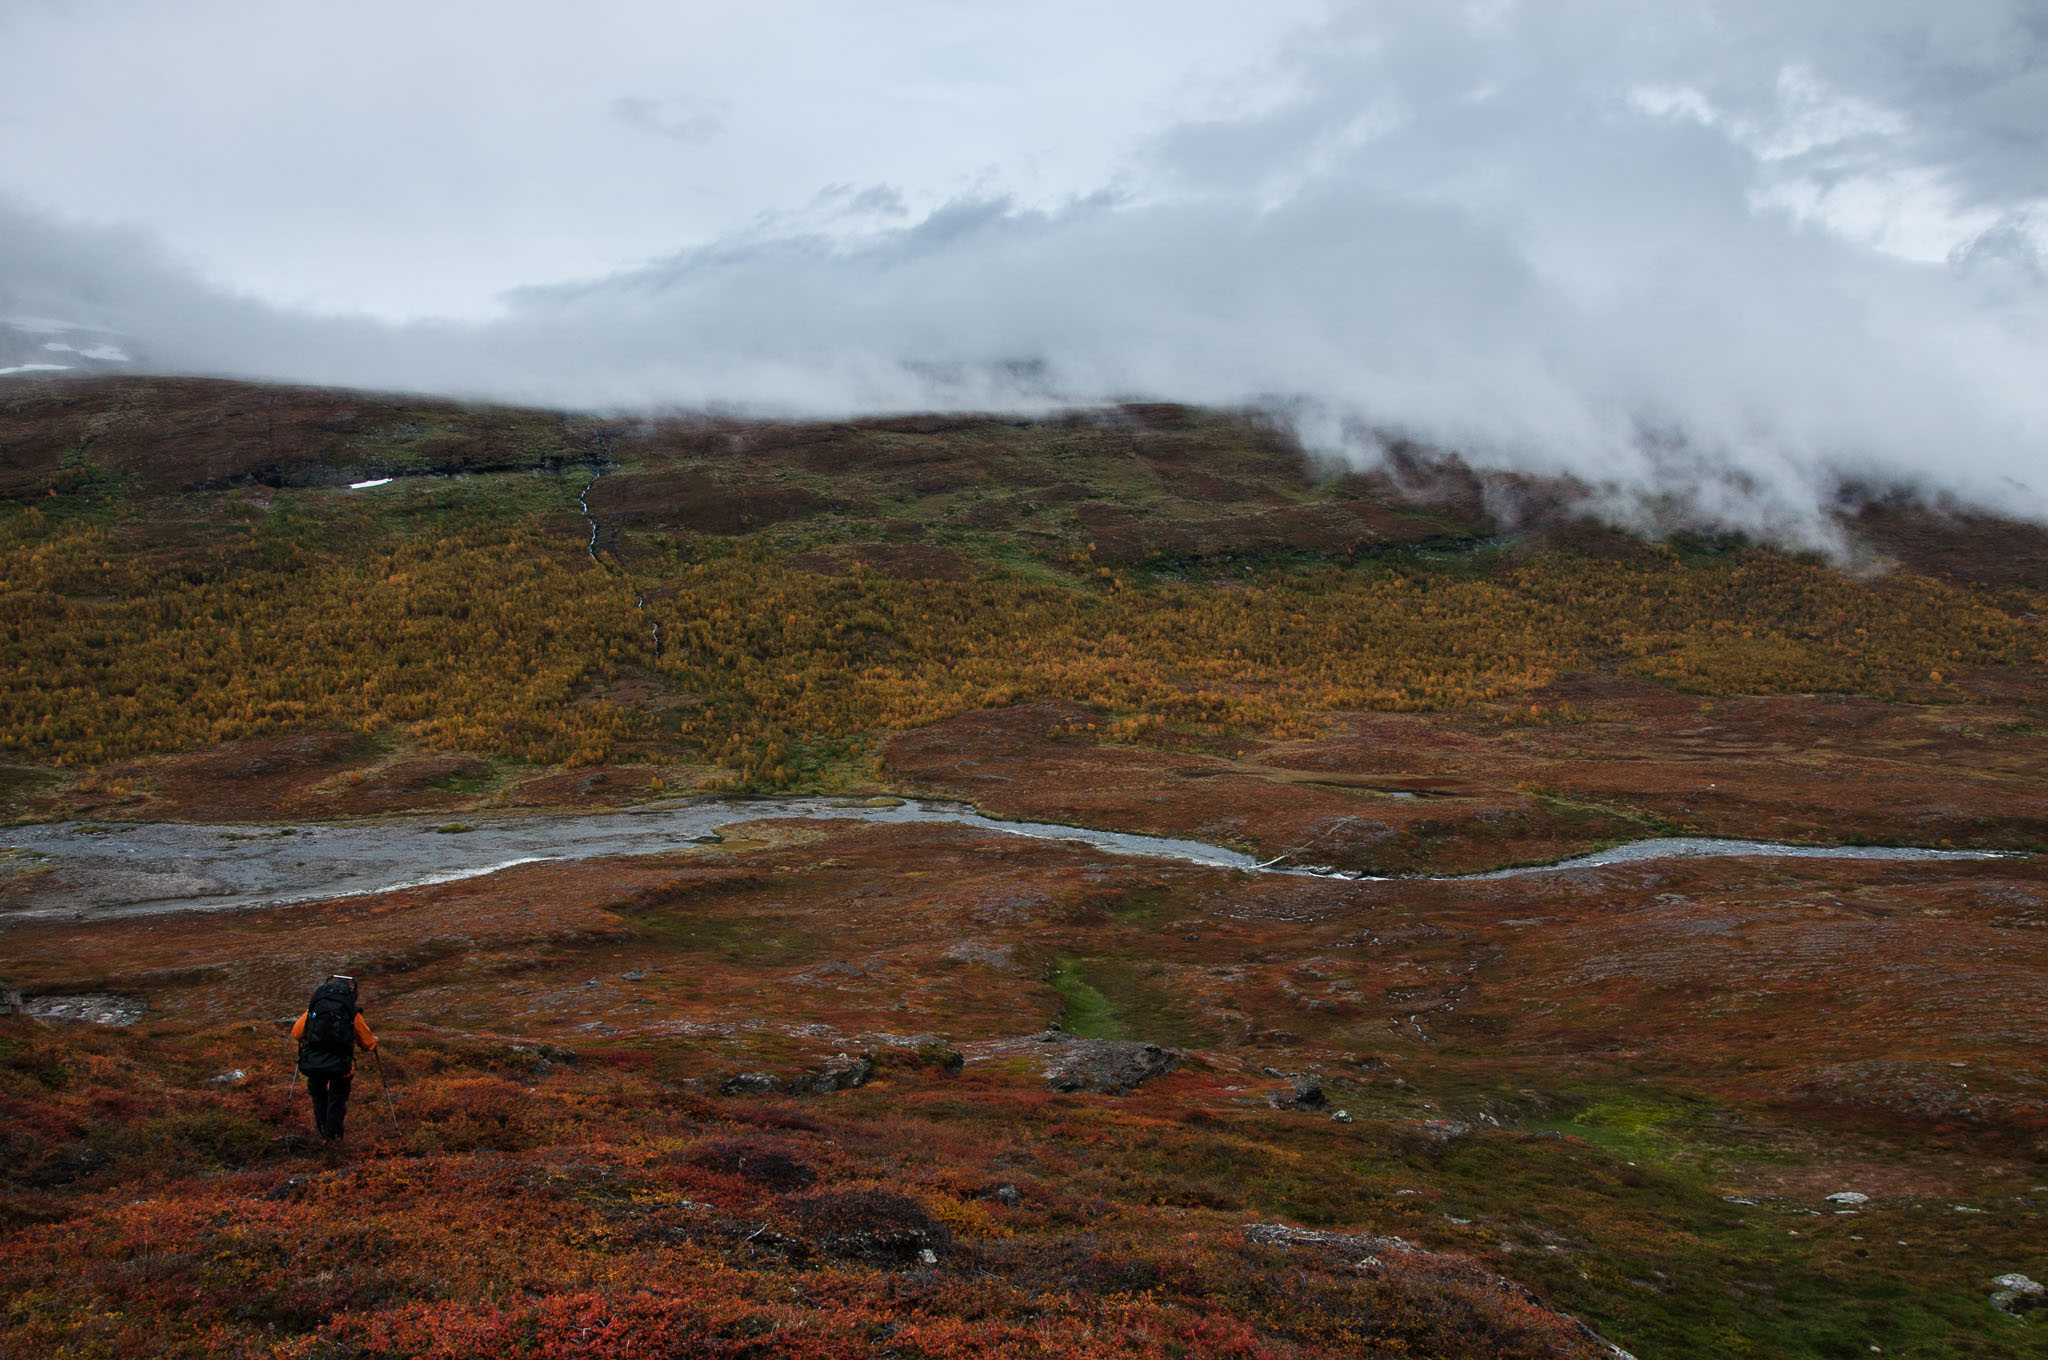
(1714, 259)
(678, 120)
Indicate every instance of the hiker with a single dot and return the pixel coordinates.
(329, 1033)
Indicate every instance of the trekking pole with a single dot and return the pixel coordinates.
(389, 1107)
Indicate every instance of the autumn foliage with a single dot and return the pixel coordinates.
(488, 639)
(1614, 1095)
(607, 1216)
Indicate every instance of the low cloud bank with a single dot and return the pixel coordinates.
(1713, 266)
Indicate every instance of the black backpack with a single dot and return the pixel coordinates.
(329, 1043)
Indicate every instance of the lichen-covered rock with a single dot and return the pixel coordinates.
(837, 973)
(752, 1084)
(2016, 1294)
(1109, 1066)
(94, 1008)
(993, 956)
(545, 1057)
(1302, 1093)
(951, 1061)
(844, 1072)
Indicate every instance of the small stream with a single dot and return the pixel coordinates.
(597, 469)
(122, 869)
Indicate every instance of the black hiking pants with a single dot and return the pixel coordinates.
(330, 1100)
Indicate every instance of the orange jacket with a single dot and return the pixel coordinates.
(364, 1039)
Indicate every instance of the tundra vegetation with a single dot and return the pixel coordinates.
(787, 1094)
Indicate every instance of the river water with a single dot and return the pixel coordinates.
(125, 868)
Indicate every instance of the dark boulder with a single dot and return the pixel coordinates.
(842, 1073)
(1303, 1092)
(752, 1084)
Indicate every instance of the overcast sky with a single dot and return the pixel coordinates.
(410, 160)
(1724, 251)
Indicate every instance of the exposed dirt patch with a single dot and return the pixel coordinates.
(592, 786)
(420, 784)
(175, 433)
(1040, 762)
(325, 775)
(906, 561)
(1121, 536)
(638, 689)
(916, 562)
(1591, 758)
(697, 502)
(308, 776)
(1879, 1180)
(257, 780)
(1957, 544)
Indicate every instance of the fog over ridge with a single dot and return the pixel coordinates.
(1717, 258)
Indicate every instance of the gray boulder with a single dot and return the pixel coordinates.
(752, 1084)
(2016, 1294)
(1303, 1093)
(842, 1073)
(1108, 1066)
(91, 1008)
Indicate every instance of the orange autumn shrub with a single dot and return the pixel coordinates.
(492, 639)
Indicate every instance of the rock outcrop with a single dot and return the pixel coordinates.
(842, 1072)
(2016, 1294)
(1108, 1066)
(93, 1008)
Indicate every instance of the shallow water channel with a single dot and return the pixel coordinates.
(126, 868)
